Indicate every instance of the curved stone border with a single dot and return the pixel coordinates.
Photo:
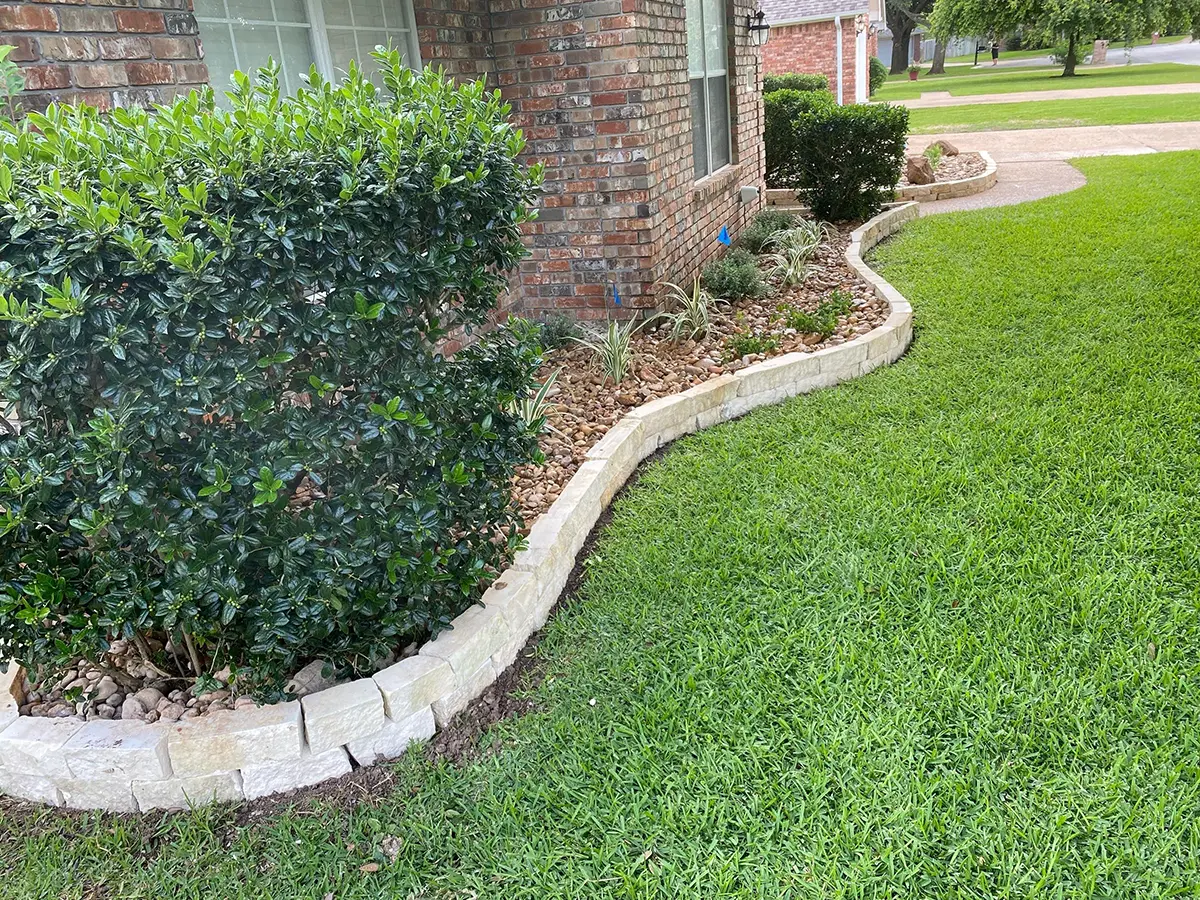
(945, 190)
(253, 752)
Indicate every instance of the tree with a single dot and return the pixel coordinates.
(939, 58)
(1075, 21)
(904, 16)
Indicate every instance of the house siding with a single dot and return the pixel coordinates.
(104, 53)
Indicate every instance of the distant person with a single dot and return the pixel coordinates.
(995, 53)
(1154, 38)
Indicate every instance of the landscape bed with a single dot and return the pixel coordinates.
(253, 751)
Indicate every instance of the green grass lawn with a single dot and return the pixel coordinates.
(932, 634)
(1057, 113)
(968, 82)
(985, 56)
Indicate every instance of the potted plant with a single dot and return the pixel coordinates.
(913, 72)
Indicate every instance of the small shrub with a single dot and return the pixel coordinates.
(844, 161)
(692, 317)
(933, 153)
(558, 330)
(735, 276)
(795, 81)
(765, 226)
(824, 321)
(222, 331)
(745, 341)
(614, 349)
(878, 75)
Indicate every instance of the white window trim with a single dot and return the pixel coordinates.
(318, 34)
(708, 144)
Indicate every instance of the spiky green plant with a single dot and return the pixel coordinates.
(691, 316)
(534, 408)
(614, 349)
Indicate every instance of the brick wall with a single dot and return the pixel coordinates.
(456, 36)
(811, 47)
(103, 52)
(601, 91)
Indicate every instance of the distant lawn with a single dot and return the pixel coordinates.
(1057, 114)
(969, 82)
(931, 635)
(1044, 53)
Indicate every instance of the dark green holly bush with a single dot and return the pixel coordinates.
(220, 334)
(795, 81)
(843, 161)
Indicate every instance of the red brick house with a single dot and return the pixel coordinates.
(647, 113)
(834, 38)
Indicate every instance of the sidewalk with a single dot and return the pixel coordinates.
(1032, 164)
(937, 99)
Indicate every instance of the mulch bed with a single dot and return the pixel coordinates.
(586, 406)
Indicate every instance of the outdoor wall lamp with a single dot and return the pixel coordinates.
(760, 28)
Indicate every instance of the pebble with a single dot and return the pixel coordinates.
(105, 688)
(115, 700)
(149, 697)
(132, 709)
(172, 712)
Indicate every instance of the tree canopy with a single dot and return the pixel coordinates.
(1074, 20)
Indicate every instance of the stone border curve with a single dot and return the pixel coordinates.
(247, 753)
(946, 190)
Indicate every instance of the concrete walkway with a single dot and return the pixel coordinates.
(937, 99)
(1033, 164)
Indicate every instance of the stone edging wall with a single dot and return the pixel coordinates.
(253, 752)
(944, 190)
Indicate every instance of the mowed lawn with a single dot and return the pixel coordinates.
(969, 82)
(985, 56)
(1057, 113)
(932, 634)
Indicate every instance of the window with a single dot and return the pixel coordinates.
(242, 34)
(708, 74)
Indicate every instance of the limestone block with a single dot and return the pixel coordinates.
(470, 687)
(188, 793)
(668, 418)
(11, 678)
(33, 746)
(112, 794)
(561, 531)
(118, 749)
(775, 373)
(842, 357)
(517, 597)
(225, 741)
(728, 386)
(621, 446)
(34, 788)
(879, 340)
(412, 684)
(287, 775)
(477, 634)
(393, 738)
(343, 713)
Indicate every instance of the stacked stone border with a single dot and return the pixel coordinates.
(921, 193)
(946, 190)
(244, 754)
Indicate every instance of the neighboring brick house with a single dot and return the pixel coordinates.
(834, 38)
(647, 113)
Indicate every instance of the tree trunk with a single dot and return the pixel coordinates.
(939, 59)
(901, 39)
(1072, 51)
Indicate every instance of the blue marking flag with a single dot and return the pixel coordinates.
(616, 295)
(724, 238)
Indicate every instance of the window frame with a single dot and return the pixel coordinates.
(707, 78)
(318, 34)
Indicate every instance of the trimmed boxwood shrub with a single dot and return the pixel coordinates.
(795, 81)
(221, 335)
(878, 75)
(843, 161)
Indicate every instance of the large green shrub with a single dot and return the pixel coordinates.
(878, 75)
(843, 161)
(221, 333)
(795, 81)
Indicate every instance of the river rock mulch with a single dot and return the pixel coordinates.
(585, 407)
